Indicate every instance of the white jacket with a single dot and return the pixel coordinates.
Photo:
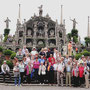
(42, 70)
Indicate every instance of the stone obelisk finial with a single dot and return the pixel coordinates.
(61, 14)
(88, 32)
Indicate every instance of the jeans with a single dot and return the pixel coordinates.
(17, 79)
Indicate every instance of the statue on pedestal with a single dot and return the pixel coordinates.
(29, 33)
(74, 23)
(70, 49)
(40, 10)
(7, 23)
(51, 33)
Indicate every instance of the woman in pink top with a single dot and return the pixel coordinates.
(81, 73)
(36, 68)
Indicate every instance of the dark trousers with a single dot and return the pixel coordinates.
(36, 74)
(41, 78)
(29, 78)
(55, 77)
(81, 81)
(21, 75)
(4, 74)
(75, 81)
(51, 77)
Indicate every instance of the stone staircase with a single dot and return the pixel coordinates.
(8, 81)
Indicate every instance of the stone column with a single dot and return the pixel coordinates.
(35, 30)
(46, 34)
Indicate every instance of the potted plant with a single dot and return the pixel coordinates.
(13, 55)
(1, 50)
(7, 54)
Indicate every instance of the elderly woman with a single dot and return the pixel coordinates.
(81, 74)
(28, 72)
(75, 75)
(86, 73)
(42, 72)
(36, 68)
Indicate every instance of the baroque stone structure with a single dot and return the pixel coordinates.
(40, 32)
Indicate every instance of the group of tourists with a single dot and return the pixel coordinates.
(49, 67)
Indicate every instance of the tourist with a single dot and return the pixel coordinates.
(34, 52)
(51, 59)
(48, 53)
(86, 73)
(75, 74)
(60, 73)
(42, 53)
(19, 51)
(19, 56)
(17, 74)
(5, 71)
(68, 73)
(55, 71)
(36, 67)
(27, 58)
(42, 72)
(25, 50)
(41, 60)
(81, 74)
(21, 69)
(28, 69)
(50, 72)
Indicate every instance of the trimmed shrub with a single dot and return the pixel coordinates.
(13, 55)
(7, 52)
(77, 56)
(86, 53)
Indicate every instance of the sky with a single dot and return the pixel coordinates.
(78, 9)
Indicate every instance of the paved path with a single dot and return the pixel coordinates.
(3, 87)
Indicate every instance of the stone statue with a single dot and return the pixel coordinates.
(40, 10)
(7, 23)
(51, 33)
(74, 23)
(29, 33)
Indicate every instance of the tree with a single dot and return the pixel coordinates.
(87, 41)
(6, 32)
(75, 39)
(69, 36)
(74, 32)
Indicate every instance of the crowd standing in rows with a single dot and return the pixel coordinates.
(49, 67)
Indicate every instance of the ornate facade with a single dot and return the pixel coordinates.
(40, 32)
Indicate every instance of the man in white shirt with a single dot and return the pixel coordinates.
(55, 71)
(60, 72)
(5, 71)
(24, 50)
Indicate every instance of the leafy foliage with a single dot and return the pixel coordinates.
(6, 32)
(74, 32)
(7, 52)
(87, 40)
(77, 56)
(5, 38)
(1, 49)
(13, 55)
